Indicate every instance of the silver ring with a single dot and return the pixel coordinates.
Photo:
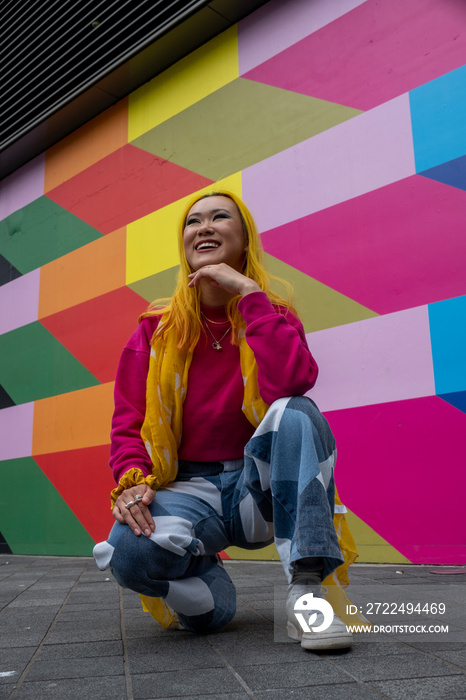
(130, 504)
(138, 498)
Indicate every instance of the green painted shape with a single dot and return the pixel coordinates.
(39, 522)
(319, 306)
(239, 125)
(34, 365)
(159, 286)
(40, 232)
(372, 548)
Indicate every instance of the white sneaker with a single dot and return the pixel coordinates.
(335, 636)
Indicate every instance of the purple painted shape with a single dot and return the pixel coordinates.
(396, 247)
(19, 301)
(382, 359)
(381, 49)
(357, 156)
(280, 24)
(16, 431)
(22, 187)
(401, 470)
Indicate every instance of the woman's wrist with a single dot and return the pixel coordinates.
(249, 287)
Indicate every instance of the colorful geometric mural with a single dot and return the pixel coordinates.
(342, 127)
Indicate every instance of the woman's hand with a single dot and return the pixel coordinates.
(225, 277)
(137, 516)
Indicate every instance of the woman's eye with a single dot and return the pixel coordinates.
(222, 216)
(192, 221)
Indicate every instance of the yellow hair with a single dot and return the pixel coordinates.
(185, 305)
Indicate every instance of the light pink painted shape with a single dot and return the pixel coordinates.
(396, 247)
(22, 187)
(280, 24)
(357, 156)
(377, 51)
(400, 469)
(16, 431)
(382, 359)
(19, 301)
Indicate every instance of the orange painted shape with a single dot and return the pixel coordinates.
(96, 331)
(83, 274)
(72, 421)
(77, 474)
(98, 138)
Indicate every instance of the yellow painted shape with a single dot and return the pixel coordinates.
(372, 548)
(152, 244)
(268, 553)
(318, 305)
(72, 421)
(96, 139)
(205, 70)
(83, 274)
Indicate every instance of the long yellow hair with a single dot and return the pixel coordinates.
(184, 307)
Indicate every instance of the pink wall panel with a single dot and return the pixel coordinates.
(22, 187)
(19, 301)
(397, 471)
(16, 431)
(382, 359)
(381, 49)
(357, 156)
(273, 28)
(398, 246)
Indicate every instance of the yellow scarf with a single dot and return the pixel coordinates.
(167, 383)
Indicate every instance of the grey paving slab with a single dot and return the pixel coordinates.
(12, 663)
(176, 685)
(395, 666)
(309, 672)
(351, 691)
(80, 650)
(60, 668)
(452, 688)
(103, 688)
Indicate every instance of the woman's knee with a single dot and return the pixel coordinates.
(138, 561)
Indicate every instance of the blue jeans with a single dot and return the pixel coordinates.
(283, 491)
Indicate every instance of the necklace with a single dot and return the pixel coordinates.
(216, 344)
(216, 323)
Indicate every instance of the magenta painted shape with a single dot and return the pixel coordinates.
(280, 24)
(22, 187)
(401, 470)
(19, 301)
(377, 51)
(397, 247)
(16, 431)
(355, 157)
(382, 359)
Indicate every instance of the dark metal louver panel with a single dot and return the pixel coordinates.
(50, 52)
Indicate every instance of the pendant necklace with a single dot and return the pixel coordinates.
(216, 344)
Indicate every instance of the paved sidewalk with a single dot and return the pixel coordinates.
(68, 631)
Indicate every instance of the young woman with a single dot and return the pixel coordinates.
(213, 442)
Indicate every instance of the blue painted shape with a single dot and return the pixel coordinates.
(452, 173)
(447, 321)
(438, 111)
(458, 400)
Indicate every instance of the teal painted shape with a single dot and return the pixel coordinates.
(34, 365)
(40, 232)
(447, 321)
(438, 111)
(39, 522)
